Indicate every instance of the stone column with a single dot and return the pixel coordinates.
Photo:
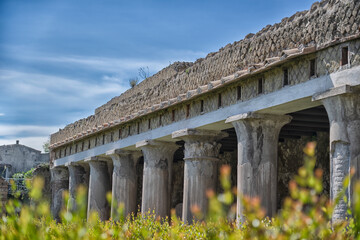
(201, 168)
(59, 184)
(124, 181)
(78, 176)
(99, 186)
(257, 136)
(158, 158)
(342, 105)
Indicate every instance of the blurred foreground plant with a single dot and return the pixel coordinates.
(305, 214)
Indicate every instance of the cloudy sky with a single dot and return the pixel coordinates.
(59, 60)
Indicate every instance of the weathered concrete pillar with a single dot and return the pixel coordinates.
(342, 105)
(201, 168)
(158, 158)
(59, 184)
(257, 136)
(78, 176)
(99, 186)
(124, 181)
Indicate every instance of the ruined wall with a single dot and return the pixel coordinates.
(43, 171)
(177, 184)
(325, 21)
(229, 158)
(21, 158)
(291, 158)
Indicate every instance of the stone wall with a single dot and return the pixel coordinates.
(325, 21)
(177, 185)
(228, 158)
(291, 158)
(43, 171)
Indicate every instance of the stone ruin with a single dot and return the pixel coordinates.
(252, 105)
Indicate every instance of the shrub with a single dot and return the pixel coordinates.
(305, 214)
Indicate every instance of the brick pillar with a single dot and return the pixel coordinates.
(124, 184)
(201, 168)
(158, 159)
(342, 105)
(59, 184)
(257, 136)
(99, 186)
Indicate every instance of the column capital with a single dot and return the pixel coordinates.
(199, 134)
(282, 119)
(345, 89)
(96, 159)
(59, 173)
(115, 154)
(200, 144)
(156, 143)
(75, 164)
(122, 158)
(59, 168)
(157, 153)
(342, 105)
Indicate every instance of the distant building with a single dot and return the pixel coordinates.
(16, 158)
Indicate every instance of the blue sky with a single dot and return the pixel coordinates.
(59, 60)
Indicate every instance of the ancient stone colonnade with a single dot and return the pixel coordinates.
(255, 87)
(257, 136)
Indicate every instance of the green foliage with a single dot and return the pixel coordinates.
(18, 175)
(305, 214)
(46, 146)
(27, 175)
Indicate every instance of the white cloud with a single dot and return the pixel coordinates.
(2, 114)
(29, 84)
(111, 64)
(113, 78)
(18, 130)
(102, 63)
